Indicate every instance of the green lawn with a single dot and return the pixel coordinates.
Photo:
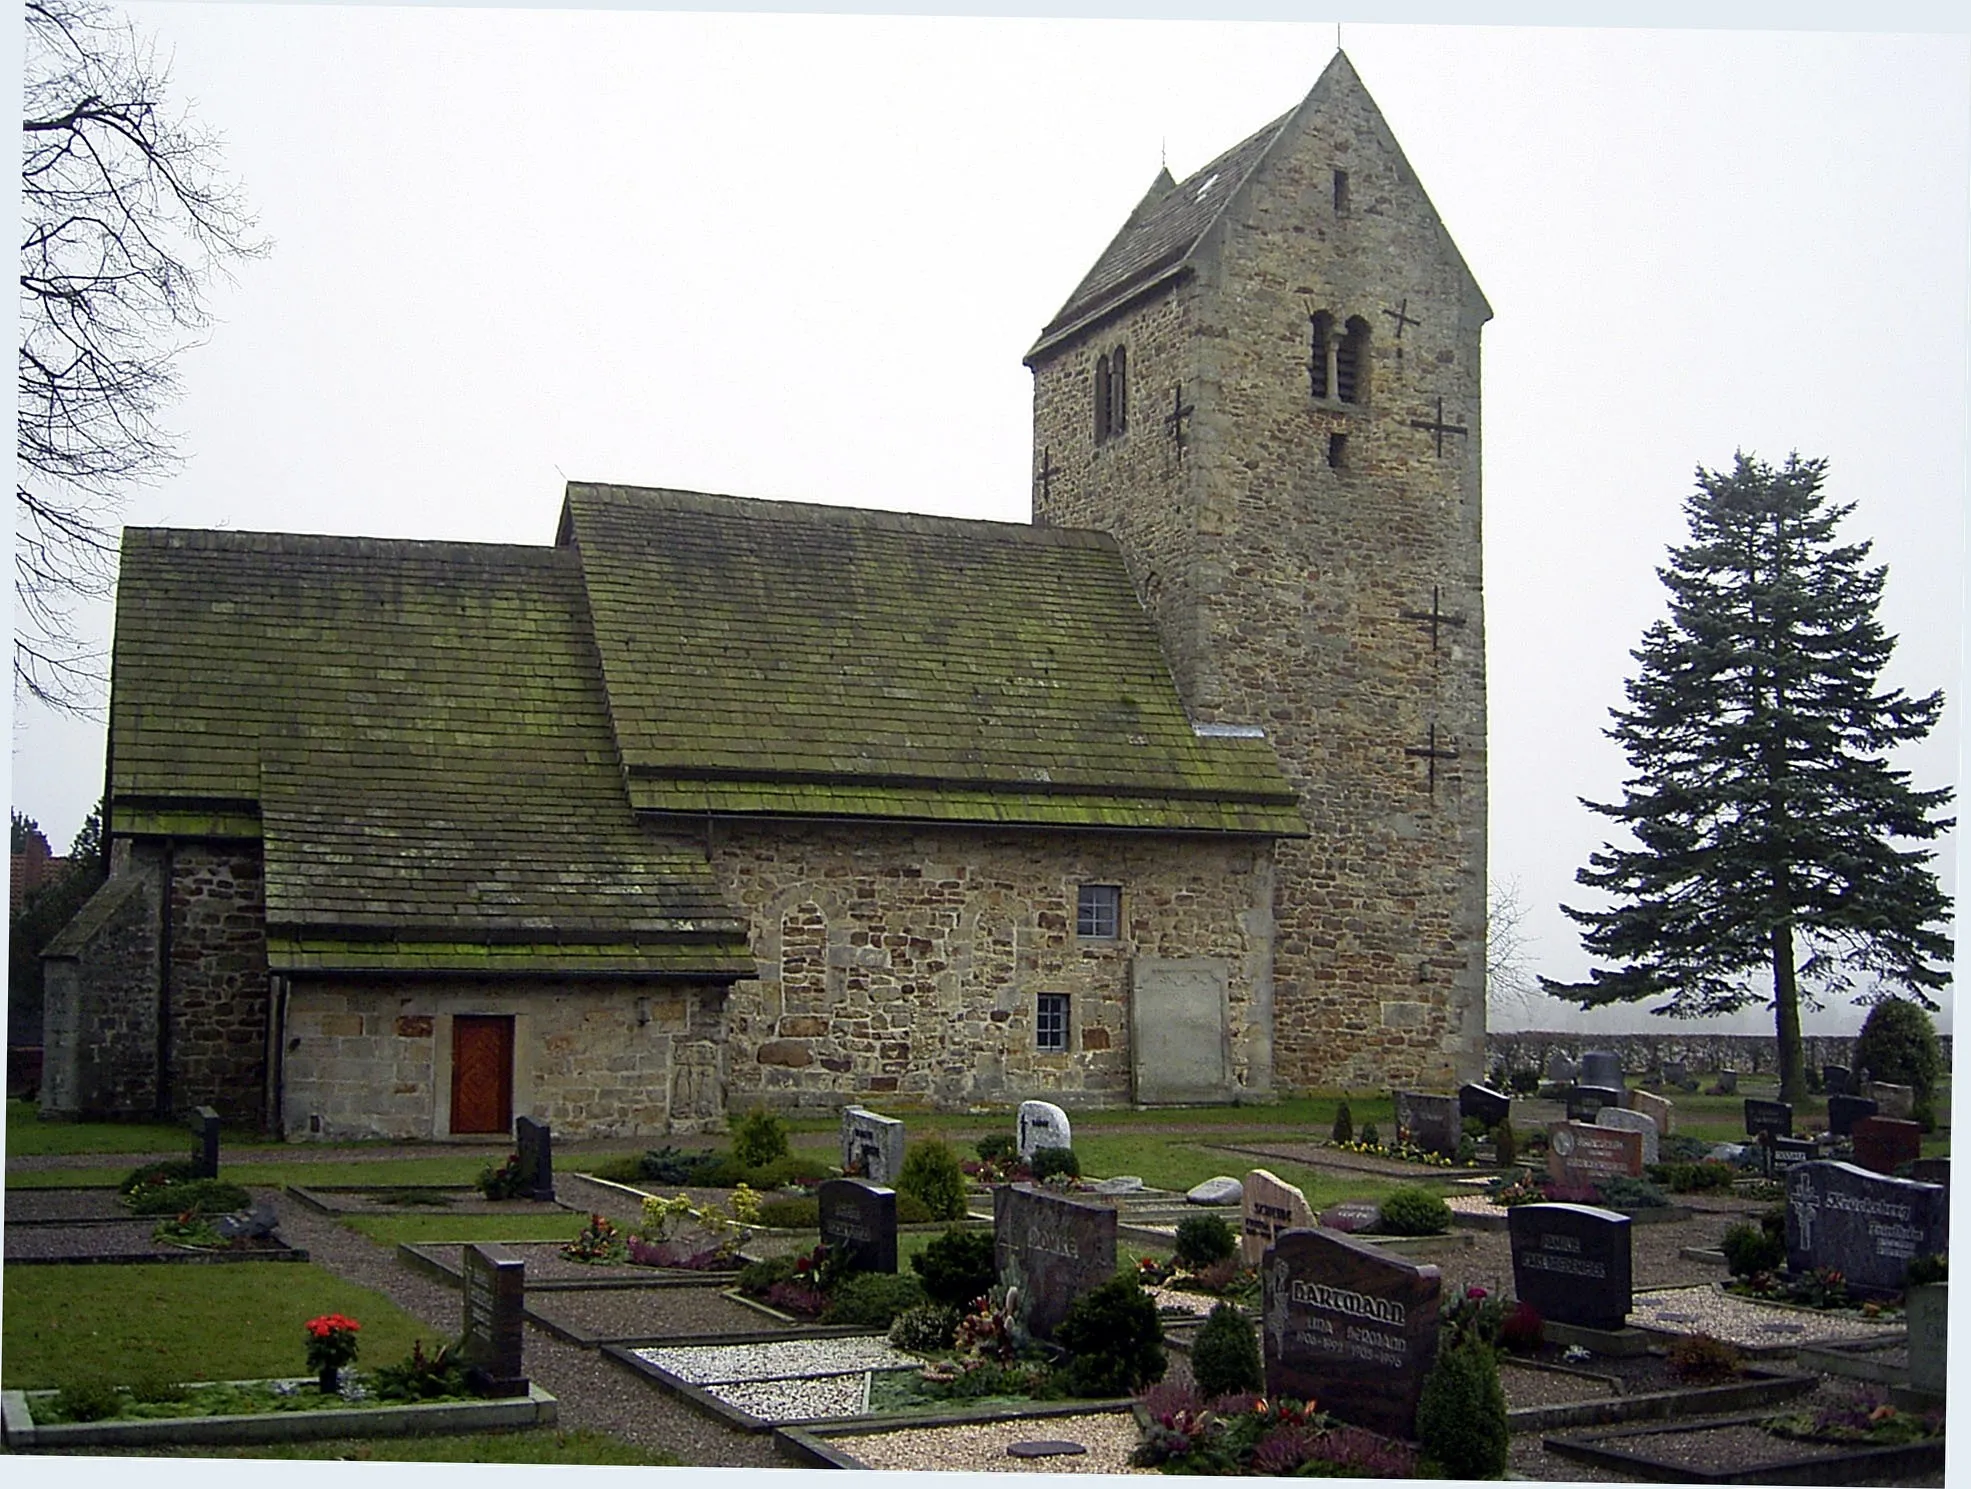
(230, 1321)
(460, 1169)
(28, 1136)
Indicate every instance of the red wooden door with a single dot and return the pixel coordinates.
(482, 1073)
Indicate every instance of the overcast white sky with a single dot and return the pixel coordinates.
(801, 257)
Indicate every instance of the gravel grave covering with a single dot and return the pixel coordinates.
(116, 1240)
(1705, 1310)
(1176, 1297)
(1110, 1438)
(1527, 1387)
(26, 1206)
(648, 1313)
(778, 1359)
(798, 1399)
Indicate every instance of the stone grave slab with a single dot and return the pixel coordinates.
(1432, 1121)
(872, 1145)
(1601, 1068)
(205, 1143)
(1350, 1327)
(1561, 1071)
(1883, 1142)
(1573, 1263)
(1659, 1109)
(1222, 1189)
(1489, 1106)
(1042, 1125)
(1768, 1118)
(535, 1145)
(1844, 1111)
(1636, 1122)
(1053, 1249)
(1583, 1101)
(1179, 1029)
(1272, 1206)
(1866, 1225)
(1927, 1312)
(859, 1223)
(1351, 1215)
(494, 1294)
(1898, 1102)
(1837, 1080)
(1580, 1155)
(1787, 1152)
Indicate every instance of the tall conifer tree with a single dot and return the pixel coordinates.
(1767, 821)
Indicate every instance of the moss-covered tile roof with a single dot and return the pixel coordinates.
(417, 731)
(784, 659)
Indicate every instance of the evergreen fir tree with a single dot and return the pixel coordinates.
(1767, 819)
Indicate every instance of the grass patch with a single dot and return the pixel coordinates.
(534, 1445)
(241, 1321)
(420, 1230)
(30, 1137)
(455, 1171)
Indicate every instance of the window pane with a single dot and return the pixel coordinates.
(1099, 911)
(1050, 1022)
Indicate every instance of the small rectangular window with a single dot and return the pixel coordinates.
(1050, 1022)
(1341, 191)
(1098, 914)
(1338, 451)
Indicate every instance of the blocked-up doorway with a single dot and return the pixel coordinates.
(482, 1073)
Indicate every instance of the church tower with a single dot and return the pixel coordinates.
(1267, 389)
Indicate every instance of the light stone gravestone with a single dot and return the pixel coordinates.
(1659, 1109)
(1580, 1156)
(1927, 1310)
(1601, 1068)
(535, 1144)
(1898, 1102)
(1052, 1249)
(1867, 1226)
(1222, 1189)
(1180, 1030)
(1272, 1206)
(1042, 1125)
(1351, 1215)
(858, 1222)
(1573, 1263)
(494, 1293)
(1615, 1116)
(1562, 1071)
(872, 1145)
(1432, 1121)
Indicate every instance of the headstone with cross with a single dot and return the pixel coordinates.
(1438, 427)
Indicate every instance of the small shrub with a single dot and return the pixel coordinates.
(1203, 1239)
(1473, 1127)
(1624, 1193)
(1705, 1176)
(1523, 1330)
(1700, 1360)
(1525, 1082)
(1750, 1248)
(1225, 1354)
(785, 1213)
(871, 1298)
(1898, 1044)
(756, 1278)
(1220, 1276)
(913, 1211)
(1047, 1162)
(207, 1196)
(1467, 1150)
(931, 1173)
(1414, 1211)
(997, 1147)
(1344, 1128)
(421, 1377)
(925, 1328)
(1114, 1338)
(156, 1175)
(957, 1267)
(668, 1166)
(759, 1138)
(502, 1182)
(1370, 1137)
(87, 1398)
(1505, 1145)
(153, 1387)
(1461, 1415)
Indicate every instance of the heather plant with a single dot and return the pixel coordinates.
(1047, 1162)
(1700, 1360)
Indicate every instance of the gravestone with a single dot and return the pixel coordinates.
(872, 1145)
(1931, 1171)
(1573, 1263)
(1659, 1109)
(1433, 1122)
(1675, 1073)
(1785, 1152)
(1881, 1143)
(1584, 1101)
(494, 1288)
(1351, 1215)
(1052, 1249)
(859, 1223)
(1580, 1155)
(1728, 1082)
(1489, 1106)
(1222, 1189)
(1636, 1122)
(1844, 1111)
(1893, 1101)
(1180, 1027)
(1837, 1080)
(1927, 1311)
(1600, 1068)
(1562, 1071)
(1348, 1326)
(535, 1145)
(1768, 1118)
(205, 1143)
(1042, 1125)
(1865, 1225)
(1272, 1206)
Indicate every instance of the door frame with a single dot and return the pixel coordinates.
(441, 1065)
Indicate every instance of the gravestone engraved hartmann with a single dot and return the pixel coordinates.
(1864, 1225)
(494, 1288)
(1349, 1327)
(1432, 1122)
(872, 1145)
(1272, 1206)
(535, 1144)
(1636, 1122)
(1844, 1111)
(1584, 1101)
(1052, 1249)
(205, 1143)
(1580, 1155)
(1041, 1124)
(1883, 1143)
(1573, 1263)
(859, 1223)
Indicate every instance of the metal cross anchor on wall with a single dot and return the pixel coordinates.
(1401, 315)
(1179, 412)
(1434, 616)
(1433, 754)
(1438, 427)
(1047, 474)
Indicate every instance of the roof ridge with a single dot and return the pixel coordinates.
(233, 540)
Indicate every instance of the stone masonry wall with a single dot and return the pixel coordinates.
(591, 1058)
(1301, 574)
(100, 1018)
(904, 963)
(219, 985)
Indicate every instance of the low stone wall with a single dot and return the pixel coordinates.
(1753, 1054)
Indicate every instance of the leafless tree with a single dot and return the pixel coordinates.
(126, 217)
(1509, 986)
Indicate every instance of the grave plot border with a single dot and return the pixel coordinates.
(428, 1258)
(1841, 1467)
(321, 1198)
(1779, 1348)
(1851, 1361)
(1853, 1314)
(809, 1445)
(1767, 1388)
(164, 1252)
(1646, 1215)
(536, 1409)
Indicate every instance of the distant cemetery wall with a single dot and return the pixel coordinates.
(1752, 1054)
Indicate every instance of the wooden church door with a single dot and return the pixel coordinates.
(482, 1073)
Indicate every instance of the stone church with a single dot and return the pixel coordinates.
(1175, 794)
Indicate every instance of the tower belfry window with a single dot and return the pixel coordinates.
(1102, 381)
(1111, 394)
(1341, 192)
(1319, 349)
(1352, 362)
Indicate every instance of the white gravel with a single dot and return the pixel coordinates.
(781, 1359)
(1705, 1310)
(1110, 1438)
(798, 1399)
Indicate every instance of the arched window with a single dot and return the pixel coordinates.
(1118, 391)
(1102, 384)
(1319, 347)
(1352, 362)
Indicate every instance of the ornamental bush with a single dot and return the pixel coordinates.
(1114, 1338)
(1505, 1145)
(1225, 1355)
(957, 1267)
(1461, 1415)
(1203, 1239)
(1046, 1162)
(1414, 1211)
(871, 1298)
(759, 1138)
(1898, 1044)
(931, 1173)
(996, 1147)
(1370, 1137)
(156, 1175)
(207, 1196)
(1750, 1248)
(1344, 1128)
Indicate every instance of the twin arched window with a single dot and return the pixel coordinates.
(1111, 394)
(1338, 365)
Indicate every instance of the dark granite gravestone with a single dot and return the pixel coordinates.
(1052, 1249)
(1837, 1080)
(1561, 1071)
(1768, 1117)
(1584, 1101)
(1573, 1263)
(494, 1288)
(872, 1145)
(1348, 1326)
(1600, 1068)
(1675, 1072)
(1351, 1215)
(1489, 1106)
(205, 1143)
(859, 1223)
(1728, 1082)
(1931, 1171)
(1580, 1155)
(1864, 1225)
(1844, 1111)
(1881, 1143)
(535, 1144)
(1788, 1151)
(1433, 1122)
